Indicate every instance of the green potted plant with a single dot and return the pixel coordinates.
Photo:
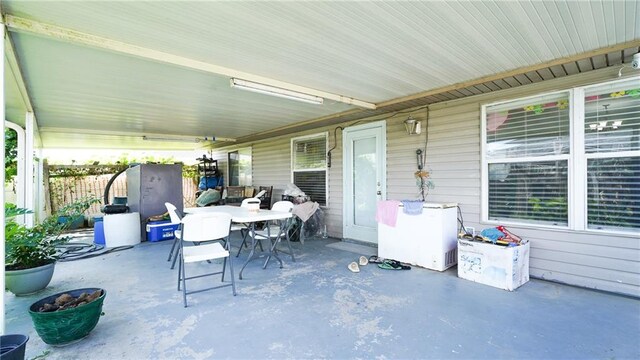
(30, 253)
(72, 214)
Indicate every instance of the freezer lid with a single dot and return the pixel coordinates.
(426, 205)
(439, 206)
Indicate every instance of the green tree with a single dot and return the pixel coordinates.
(10, 154)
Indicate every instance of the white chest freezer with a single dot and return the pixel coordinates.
(428, 240)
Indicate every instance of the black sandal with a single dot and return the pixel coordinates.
(375, 260)
(393, 265)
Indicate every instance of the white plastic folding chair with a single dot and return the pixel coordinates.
(199, 228)
(244, 228)
(175, 220)
(275, 231)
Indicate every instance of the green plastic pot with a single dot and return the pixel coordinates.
(73, 222)
(70, 325)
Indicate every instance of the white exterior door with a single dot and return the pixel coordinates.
(364, 183)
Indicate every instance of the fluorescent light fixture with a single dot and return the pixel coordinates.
(186, 139)
(275, 91)
(168, 139)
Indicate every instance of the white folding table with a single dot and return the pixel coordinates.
(245, 216)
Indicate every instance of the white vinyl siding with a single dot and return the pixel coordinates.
(593, 259)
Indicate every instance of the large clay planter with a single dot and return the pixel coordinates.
(29, 281)
(66, 326)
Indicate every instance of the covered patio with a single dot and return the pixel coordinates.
(436, 86)
(316, 308)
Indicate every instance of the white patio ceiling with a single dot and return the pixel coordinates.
(392, 54)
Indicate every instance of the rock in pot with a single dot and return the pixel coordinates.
(70, 324)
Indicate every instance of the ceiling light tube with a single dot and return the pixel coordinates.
(275, 91)
(168, 139)
(186, 139)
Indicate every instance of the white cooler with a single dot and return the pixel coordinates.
(121, 229)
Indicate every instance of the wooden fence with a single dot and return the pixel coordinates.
(64, 188)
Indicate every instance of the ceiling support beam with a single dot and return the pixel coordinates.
(18, 24)
(14, 67)
(2, 179)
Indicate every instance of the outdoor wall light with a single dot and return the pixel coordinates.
(413, 126)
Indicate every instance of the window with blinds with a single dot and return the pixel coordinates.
(309, 166)
(533, 146)
(527, 152)
(612, 148)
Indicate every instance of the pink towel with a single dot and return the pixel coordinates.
(387, 212)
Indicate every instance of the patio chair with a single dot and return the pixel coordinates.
(175, 219)
(265, 199)
(235, 194)
(244, 228)
(274, 231)
(199, 228)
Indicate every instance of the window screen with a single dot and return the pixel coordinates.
(612, 147)
(310, 166)
(527, 152)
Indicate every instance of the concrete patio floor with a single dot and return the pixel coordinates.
(317, 308)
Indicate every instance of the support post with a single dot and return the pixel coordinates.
(29, 188)
(2, 219)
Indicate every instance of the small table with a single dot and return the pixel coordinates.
(244, 216)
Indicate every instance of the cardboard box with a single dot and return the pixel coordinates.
(495, 265)
(161, 230)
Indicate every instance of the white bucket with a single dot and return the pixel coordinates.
(121, 229)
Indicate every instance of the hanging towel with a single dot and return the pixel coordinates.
(305, 210)
(412, 207)
(387, 212)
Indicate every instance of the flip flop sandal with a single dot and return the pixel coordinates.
(375, 260)
(393, 265)
(354, 267)
(363, 261)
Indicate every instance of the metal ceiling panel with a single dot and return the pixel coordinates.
(81, 88)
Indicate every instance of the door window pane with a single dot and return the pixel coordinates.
(364, 181)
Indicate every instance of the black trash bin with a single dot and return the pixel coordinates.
(12, 346)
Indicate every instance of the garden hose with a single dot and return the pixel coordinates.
(77, 251)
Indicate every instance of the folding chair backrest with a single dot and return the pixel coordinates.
(173, 213)
(266, 196)
(205, 226)
(250, 202)
(235, 191)
(285, 206)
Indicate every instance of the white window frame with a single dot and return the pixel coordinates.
(577, 164)
(239, 151)
(324, 134)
